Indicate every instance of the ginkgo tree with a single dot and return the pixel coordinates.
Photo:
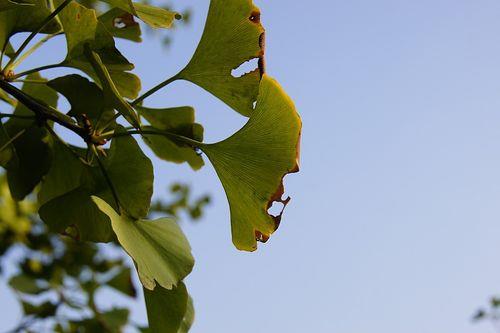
(100, 190)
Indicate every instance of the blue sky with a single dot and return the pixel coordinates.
(394, 225)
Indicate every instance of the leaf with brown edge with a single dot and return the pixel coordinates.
(233, 35)
(252, 163)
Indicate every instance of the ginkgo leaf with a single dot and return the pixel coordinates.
(86, 100)
(153, 16)
(166, 308)
(179, 121)
(233, 35)
(25, 18)
(95, 34)
(112, 96)
(32, 148)
(188, 319)
(13, 4)
(159, 248)
(121, 24)
(251, 164)
(130, 172)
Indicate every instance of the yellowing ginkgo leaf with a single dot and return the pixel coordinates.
(251, 164)
(233, 35)
(159, 248)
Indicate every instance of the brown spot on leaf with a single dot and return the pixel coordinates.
(260, 237)
(255, 17)
(124, 21)
(262, 61)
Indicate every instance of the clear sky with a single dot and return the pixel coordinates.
(394, 225)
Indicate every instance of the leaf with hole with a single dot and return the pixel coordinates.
(153, 16)
(233, 35)
(251, 164)
(95, 34)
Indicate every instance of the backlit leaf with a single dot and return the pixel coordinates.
(251, 164)
(159, 248)
(95, 34)
(233, 35)
(121, 24)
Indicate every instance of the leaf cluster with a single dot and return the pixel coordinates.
(101, 189)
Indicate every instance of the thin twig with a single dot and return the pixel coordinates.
(11, 140)
(154, 89)
(183, 139)
(34, 33)
(36, 70)
(32, 49)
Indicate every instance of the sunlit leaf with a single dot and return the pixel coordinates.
(174, 120)
(233, 35)
(155, 17)
(251, 164)
(95, 34)
(188, 319)
(166, 308)
(159, 248)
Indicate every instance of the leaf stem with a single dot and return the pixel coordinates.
(183, 139)
(155, 89)
(32, 49)
(42, 111)
(35, 70)
(34, 33)
(11, 140)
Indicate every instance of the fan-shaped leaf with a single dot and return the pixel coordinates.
(121, 24)
(251, 164)
(233, 35)
(95, 34)
(159, 248)
(179, 121)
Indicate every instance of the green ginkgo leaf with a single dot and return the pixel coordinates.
(188, 319)
(112, 96)
(180, 121)
(121, 24)
(24, 18)
(251, 164)
(32, 148)
(13, 4)
(130, 172)
(167, 309)
(75, 16)
(233, 35)
(86, 100)
(153, 16)
(159, 248)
